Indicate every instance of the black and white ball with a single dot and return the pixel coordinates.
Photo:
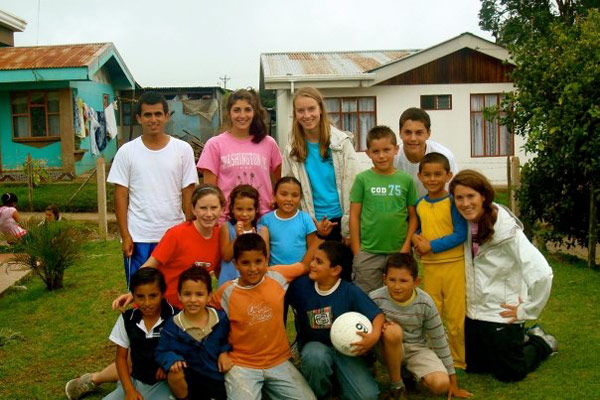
(344, 328)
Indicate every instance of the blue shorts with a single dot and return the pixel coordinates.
(141, 253)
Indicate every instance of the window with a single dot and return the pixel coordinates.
(353, 114)
(35, 115)
(488, 137)
(126, 110)
(436, 102)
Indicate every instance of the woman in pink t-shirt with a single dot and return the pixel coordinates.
(244, 154)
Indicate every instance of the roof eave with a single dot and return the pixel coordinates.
(12, 22)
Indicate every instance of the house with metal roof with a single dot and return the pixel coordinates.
(52, 99)
(454, 81)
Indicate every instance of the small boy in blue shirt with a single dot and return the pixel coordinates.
(193, 340)
(382, 211)
(318, 299)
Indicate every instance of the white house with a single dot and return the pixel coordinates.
(453, 81)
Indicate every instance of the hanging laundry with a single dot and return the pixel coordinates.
(111, 121)
(101, 131)
(78, 118)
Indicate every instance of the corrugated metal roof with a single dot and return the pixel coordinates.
(63, 56)
(328, 63)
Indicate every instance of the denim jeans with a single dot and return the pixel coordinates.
(320, 362)
(159, 391)
(283, 381)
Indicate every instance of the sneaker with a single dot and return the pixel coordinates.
(78, 387)
(395, 394)
(537, 330)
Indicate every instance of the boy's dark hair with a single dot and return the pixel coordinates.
(54, 210)
(248, 242)
(415, 114)
(151, 98)
(380, 132)
(244, 191)
(339, 254)
(402, 261)
(9, 199)
(204, 189)
(435, 158)
(196, 274)
(147, 275)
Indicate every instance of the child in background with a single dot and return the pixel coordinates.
(318, 299)
(9, 217)
(52, 213)
(137, 332)
(254, 304)
(382, 211)
(413, 318)
(439, 238)
(192, 341)
(243, 215)
(289, 231)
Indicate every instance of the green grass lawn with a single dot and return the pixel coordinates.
(59, 193)
(65, 333)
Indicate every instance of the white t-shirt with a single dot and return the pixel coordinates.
(119, 336)
(155, 179)
(403, 164)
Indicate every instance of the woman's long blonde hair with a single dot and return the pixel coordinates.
(298, 142)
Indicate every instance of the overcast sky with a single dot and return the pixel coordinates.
(194, 42)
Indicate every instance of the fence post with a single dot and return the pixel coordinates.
(515, 179)
(101, 180)
(30, 182)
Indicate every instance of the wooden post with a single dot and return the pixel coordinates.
(30, 182)
(515, 172)
(101, 180)
(593, 228)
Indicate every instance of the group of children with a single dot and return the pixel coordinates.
(233, 343)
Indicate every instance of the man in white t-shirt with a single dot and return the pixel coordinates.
(415, 129)
(154, 176)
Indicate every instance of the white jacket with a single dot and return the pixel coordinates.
(345, 167)
(503, 269)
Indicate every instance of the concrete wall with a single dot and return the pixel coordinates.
(452, 128)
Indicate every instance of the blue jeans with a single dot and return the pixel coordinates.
(141, 253)
(319, 362)
(159, 391)
(283, 381)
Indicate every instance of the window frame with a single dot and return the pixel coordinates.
(436, 101)
(29, 93)
(486, 122)
(358, 112)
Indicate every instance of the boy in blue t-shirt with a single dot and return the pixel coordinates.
(382, 211)
(318, 299)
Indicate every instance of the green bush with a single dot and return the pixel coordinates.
(48, 249)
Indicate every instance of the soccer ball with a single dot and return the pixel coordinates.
(343, 331)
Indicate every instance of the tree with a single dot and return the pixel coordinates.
(556, 107)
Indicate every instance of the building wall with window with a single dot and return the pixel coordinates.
(17, 139)
(38, 88)
(451, 127)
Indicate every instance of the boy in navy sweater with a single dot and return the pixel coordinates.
(192, 342)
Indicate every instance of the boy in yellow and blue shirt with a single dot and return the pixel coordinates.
(438, 241)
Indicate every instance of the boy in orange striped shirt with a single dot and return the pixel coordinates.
(254, 304)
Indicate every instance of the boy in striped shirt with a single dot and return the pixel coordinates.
(412, 317)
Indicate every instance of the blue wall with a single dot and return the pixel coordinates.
(194, 124)
(14, 154)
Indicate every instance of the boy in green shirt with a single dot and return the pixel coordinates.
(382, 212)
